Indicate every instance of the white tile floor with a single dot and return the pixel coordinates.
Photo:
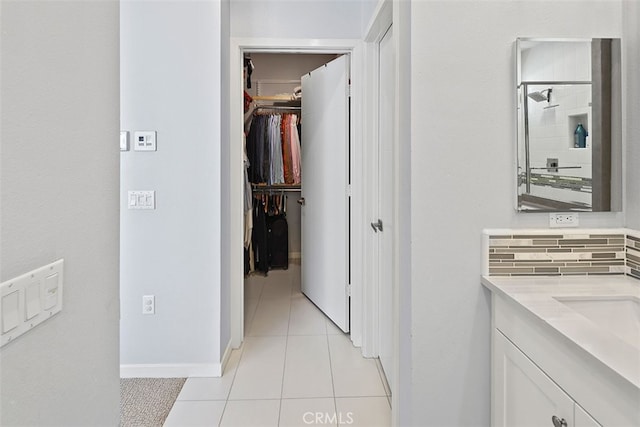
(295, 368)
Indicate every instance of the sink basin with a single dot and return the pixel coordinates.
(620, 314)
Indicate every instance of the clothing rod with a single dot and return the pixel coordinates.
(274, 188)
(277, 107)
(276, 98)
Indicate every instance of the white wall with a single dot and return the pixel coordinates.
(316, 19)
(631, 61)
(457, 49)
(59, 175)
(171, 83)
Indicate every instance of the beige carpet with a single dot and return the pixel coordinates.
(146, 402)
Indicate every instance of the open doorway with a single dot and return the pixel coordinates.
(272, 57)
(274, 201)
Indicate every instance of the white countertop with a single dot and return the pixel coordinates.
(537, 296)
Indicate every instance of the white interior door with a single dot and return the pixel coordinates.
(386, 131)
(325, 212)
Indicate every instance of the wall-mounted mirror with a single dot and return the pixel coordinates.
(569, 125)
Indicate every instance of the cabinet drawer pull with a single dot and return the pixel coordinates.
(558, 422)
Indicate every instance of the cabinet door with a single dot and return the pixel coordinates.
(582, 419)
(523, 395)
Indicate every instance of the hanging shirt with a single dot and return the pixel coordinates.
(277, 174)
(287, 160)
(296, 151)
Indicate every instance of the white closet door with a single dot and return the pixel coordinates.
(386, 129)
(325, 213)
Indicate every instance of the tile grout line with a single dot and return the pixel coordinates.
(247, 327)
(333, 385)
(383, 378)
(286, 346)
(233, 380)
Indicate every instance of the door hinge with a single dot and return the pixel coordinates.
(348, 289)
(348, 190)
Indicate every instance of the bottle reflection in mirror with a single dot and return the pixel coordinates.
(580, 137)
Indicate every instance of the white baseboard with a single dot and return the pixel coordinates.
(185, 370)
(225, 358)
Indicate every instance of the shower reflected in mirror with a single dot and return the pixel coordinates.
(569, 127)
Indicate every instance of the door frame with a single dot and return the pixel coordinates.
(382, 20)
(354, 48)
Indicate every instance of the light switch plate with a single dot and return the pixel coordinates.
(145, 140)
(29, 300)
(141, 199)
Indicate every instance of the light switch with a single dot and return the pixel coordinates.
(10, 311)
(50, 291)
(33, 306)
(124, 140)
(145, 140)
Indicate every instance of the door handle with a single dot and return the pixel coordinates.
(301, 201)
(377, 225)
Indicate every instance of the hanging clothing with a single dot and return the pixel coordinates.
(247, 185)
(287, 160)
(273, 149)
(259, 242)
(276, 173)
(296, 153)
(255, 150)
(278, 233)
(270, 239)
(248, 197)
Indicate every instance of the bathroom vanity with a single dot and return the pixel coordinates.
(565, 350)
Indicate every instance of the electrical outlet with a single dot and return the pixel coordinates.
(563, 220)
(148, 304)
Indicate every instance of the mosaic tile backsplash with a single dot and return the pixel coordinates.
(633, 255)
(564, 253)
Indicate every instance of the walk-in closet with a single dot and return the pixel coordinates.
(275, 206)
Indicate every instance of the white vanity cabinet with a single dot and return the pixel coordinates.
(524, 396)
(538, 373)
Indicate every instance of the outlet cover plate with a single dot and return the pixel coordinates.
(148, 304)
(559, 220)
